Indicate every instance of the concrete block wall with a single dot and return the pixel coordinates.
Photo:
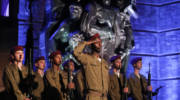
(38, 12)
(157, 41)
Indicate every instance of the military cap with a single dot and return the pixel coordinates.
(135, 60)
(66, 62)
(95, 36)
(53, 54)
(39, 58)
(16, 48)
(113, 58)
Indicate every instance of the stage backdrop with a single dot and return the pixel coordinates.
(157, 39)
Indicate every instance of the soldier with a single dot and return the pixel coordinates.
(137, 82)
(14, 74)
(39, 74)
(117, 88)
(95, 68)
(69, 80)
(54, 78)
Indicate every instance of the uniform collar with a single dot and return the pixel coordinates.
(18, 68)
(117, 72)
(41, 75)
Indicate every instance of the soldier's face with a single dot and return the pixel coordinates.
(71, 65)
(117, 63)
(19, 56)
(58, 59)
(138, 65)
(98, 45)
(41, 64)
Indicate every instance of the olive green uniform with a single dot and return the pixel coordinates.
(12, 80)
(65, 82)
(54, 80)
(73, 95)
(116, 86)
(138, 87)
(80, 82)
(37, 93)
(96, 74)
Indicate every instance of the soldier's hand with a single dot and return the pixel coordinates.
(93, 41)
(27, 99)
(125, 90)
(149, 88)
(71, 85)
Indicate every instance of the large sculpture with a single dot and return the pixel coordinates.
(111, 19)
(68, 34)
(114, 27)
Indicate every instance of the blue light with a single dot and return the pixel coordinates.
(4, 8)
(157, 41)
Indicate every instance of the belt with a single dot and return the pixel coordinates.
(97, 93)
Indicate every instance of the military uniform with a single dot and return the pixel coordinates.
(74, 95)
(12, 80)
(96, 74)
(37, 93)
(116, 86)
(80, 83)
(54, 80)
(65, 82)
(138, 87)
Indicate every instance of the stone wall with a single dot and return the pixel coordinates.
(157, 41)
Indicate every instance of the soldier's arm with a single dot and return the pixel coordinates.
(78, 52)
(80, 83)
(145, 84)
(130, 87)
(125, 85)
(110, 92)
(15, 86)
(129, 91)
(39, 89)
(64, 81)
(49, 79)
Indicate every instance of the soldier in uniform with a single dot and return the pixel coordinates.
(14, 74)
(39, 74)
(137, 82)
(117, 88)
(69, 79)
(95, 68)
(54, 78)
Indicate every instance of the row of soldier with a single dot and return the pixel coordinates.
(93, 81)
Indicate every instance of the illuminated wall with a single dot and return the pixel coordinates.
(38, 14)
(157, 40)
(4, 8)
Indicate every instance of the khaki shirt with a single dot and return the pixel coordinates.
(53, 78)
(115, 91)
(12, 80)
(136, 88)
(65, 82)
(96, 72)
(65, 79)
(2, 86)
(80, 83)
(40, 86)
